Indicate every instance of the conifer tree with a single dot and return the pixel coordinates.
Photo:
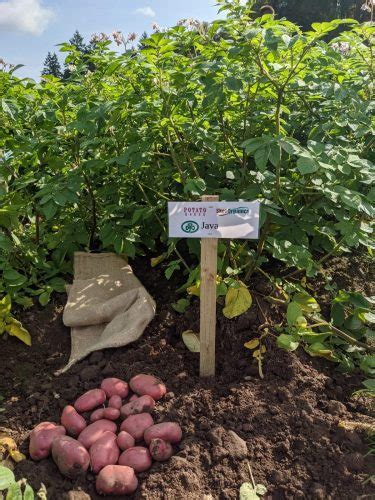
(52, 65)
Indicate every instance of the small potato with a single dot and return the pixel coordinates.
(148, 384)
(115, 402)
(106, 413)
(111, 413)
(133, 397)
(115, 387)
(95, 431)
(168, 431)
(125, 440)
(160, 450)
(104, 452)
(144, 404)
(73, 422)
(138, 458)
(97, 415)
(41, 438)
(136, 425)
(90, 400)
(70, 456)
(116, 480)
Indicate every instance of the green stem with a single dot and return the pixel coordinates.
(320, 261)
(94, 217)
(343, 335)
(164, 228)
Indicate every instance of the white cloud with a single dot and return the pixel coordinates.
(28, 16)
(146, 11)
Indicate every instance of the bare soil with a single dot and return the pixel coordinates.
(286, 425)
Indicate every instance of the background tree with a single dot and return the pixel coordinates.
(76, 41)
(143, 37)
(306, 12)
(52, 66)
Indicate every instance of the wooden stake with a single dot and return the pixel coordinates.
(208, 302)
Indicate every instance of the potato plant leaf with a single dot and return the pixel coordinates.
(249, 492)
(252, 344)
(5, 306)
(155, 261)
(9, 446)
(191, 340)
(294, 311)
(28, 493)
(15, 329)
(237, 301)
(14, 492)
(287, 342)
(6, 478)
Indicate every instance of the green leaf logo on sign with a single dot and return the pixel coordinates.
(190, 227)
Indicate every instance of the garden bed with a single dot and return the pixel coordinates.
(285, 425)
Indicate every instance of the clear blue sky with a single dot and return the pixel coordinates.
(31, 28)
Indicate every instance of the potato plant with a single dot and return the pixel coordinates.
(245, 108)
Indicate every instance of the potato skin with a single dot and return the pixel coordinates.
(70, 456)
(148, 384)
(104, 452)
(115, 402)
(95, 431)
(138, 458)
(97, 415)
(168, 431)
(115, 387)
(73, 422)
(116, 480)
(160, 450)
(111, 413)
(90, 400)
(106, 413)
(144, 404)
(125, 440)
(133, 397)
(136, 425)
(41, 438)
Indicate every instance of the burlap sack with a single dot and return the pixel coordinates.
(107, 305)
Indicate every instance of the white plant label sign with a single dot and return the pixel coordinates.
(216, 219)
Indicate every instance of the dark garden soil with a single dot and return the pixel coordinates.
(285, 426)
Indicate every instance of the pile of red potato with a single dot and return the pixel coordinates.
(112, 455)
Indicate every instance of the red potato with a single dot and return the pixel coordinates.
(168, 431)
(144, 404)
(125, 440)
(138, 458)
(133, 398)
(106, 413)
(41, 438)
(136, 425)
(160, 450)
(95, 431)
(70, 456)
(115, 402)
(148, 384)
(90, 400)
(111, 413)
(116, 480)
(73, 422)
(97, 415)
(115, 387)
(104, 452)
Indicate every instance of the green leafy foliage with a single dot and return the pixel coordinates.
(15, 490)
(247, 108)
(344, 339)
(9, 325)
